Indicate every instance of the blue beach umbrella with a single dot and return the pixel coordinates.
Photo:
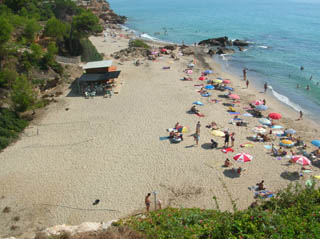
(209, 87)
(265, 121)
(247, 115)
(206, 95)
(316, 142)
(276, 127)
(290, 131)
(197, 103)
(261, 107)
(208, 71)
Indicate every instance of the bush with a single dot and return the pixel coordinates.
(293, 213)
(138, 43)
(23, 96)
(89, 51)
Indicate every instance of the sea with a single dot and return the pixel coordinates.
(284, 37)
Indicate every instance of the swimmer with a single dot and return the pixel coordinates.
(301, 68)
(310, 77)
(308, 87)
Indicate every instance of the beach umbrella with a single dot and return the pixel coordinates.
(290, 131)
(316, 142)
(208, 72)
(275, 116)
(226, 81)
(189, 71)
(197, 103)
(261, 107)
(191, 65)
(209, 87)
(243, 157)
(228, 88)
(265, 121)
(278, 132)
(206, 95)
(257, 102)
(163, 50)
(202, 78)
(259, 129)
(300, 159)
(234, 96)
(183, 130)
(217, 81)
(276, 127)
(286, 143)
(247, 115)
(217, 133)
(154, 53)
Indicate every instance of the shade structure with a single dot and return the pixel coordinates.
(217, 133)
(183, 130)
(275, 116)
(259, 130)
(316, 142)
(265, 121)
(226, 81)
(300, 159)
(257, 102)
(202, 78)
(163, 50)
(290, 131)
(286, 143)
(208, 71)
(243, 157)
(276, 127)
(247, 115)
(228, 88)
(197, 103)
(209, 87)
(234, 96)
(218, 81)
(261, 107)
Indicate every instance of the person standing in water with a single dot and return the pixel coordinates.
(301, 115)
(244, 74)
(265, 87)
(310, 77)
(247, 84)
(308, 87)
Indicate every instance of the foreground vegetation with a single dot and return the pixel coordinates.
(32, 33)
(293, 213)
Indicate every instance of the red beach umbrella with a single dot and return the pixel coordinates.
(243, 157)
(275, 116)
(257, 102)
(301, 160)
(202, 78)
(163, 50)
(234, 97)
(226, 81)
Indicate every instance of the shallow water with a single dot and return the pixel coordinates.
(283, 33)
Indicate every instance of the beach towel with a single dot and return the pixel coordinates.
(317, 177)
(164, 138)
(268, 146)
(166, 68)
(200, 115)
(227, 150)
(276, 127)
(246, 145)
(206, 95)
(247, 115)
(234, 113)
(199, 85)
(265, 194)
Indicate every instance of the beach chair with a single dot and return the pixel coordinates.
(86, 95)
(93, 93)
(107, 94)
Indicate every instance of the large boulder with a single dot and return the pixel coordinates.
(238, 42)
(223, 50)
(170, 47)
(220, 41)
(187, 51)
(212, 51)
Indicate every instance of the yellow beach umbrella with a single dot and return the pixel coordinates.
(184, 130)
(217, 133)
(217, 81)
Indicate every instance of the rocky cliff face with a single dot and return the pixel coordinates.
(102, 9)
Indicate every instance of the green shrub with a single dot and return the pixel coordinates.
(138, 43)
(89, 52)
(293, 213)
(23, 96)
(4, 142)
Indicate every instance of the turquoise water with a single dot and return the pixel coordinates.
(285, 35)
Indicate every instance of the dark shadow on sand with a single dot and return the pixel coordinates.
(206, 146)
(291, 176)
(230, 173)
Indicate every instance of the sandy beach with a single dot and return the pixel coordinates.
(109, 149)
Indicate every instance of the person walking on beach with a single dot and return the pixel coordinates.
(226, 139)
(147, 201)
(247, 84)
(244, 74)
(265, 87)
(264, 101)
(232, 139)
(198, 127)
(301, 115)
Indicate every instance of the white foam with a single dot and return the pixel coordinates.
(285, 100)
(263, 47)
(148, 37)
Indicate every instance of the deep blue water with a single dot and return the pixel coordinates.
(285, 36)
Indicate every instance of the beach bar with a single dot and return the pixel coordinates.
(99, 76)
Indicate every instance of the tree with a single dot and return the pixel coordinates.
(23, 96)
(31, 29)
(56, 29)
(16, 5)
(85, 23)
(63, 8)
(5, 30)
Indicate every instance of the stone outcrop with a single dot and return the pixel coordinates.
(220, 41)
(238, 42)
(131, 53)
(187, 51)
(223, 50)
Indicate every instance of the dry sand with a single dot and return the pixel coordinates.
(109, 149)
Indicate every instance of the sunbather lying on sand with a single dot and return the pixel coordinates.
(227, 163)
(187, 78)
(194, 109)
(212, 125)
